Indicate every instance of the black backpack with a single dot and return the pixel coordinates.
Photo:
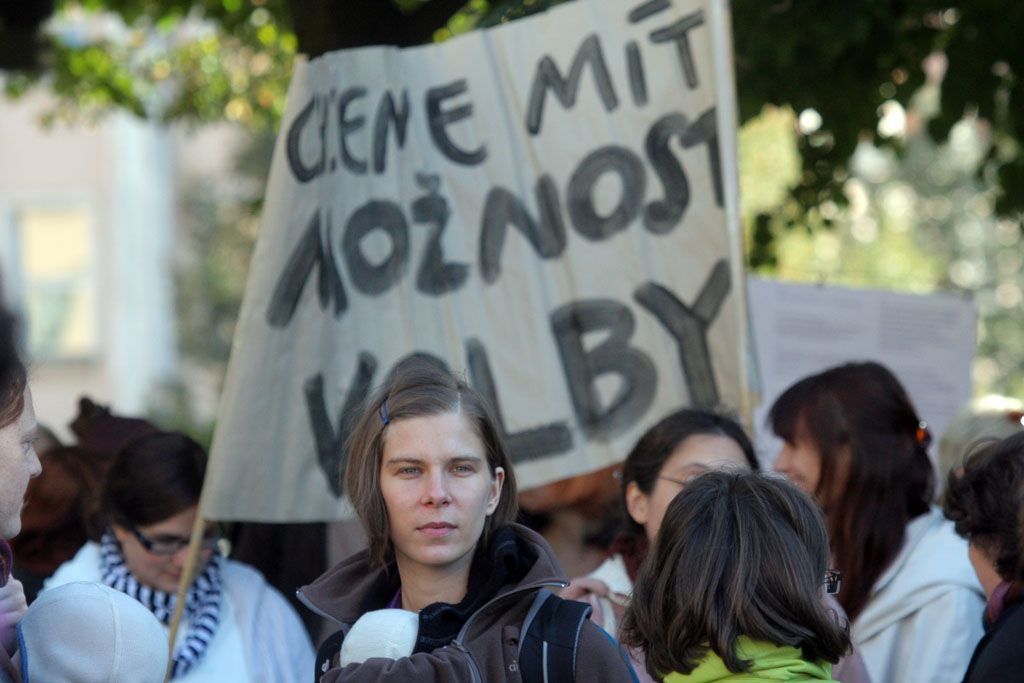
(550, 638)
(547, 647)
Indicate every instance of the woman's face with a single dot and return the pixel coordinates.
(438, 491)
(18, 464)
(800, 462)
(162, 572)
(695, 455)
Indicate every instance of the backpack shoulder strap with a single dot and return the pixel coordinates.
(549, 639)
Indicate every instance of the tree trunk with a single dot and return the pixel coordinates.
(325, 25)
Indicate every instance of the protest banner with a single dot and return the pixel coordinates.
(928, 341)
(549, 206)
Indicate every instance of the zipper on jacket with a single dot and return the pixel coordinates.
(459, 642)
(316, 610)
(474, 671)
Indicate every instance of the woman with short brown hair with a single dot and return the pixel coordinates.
(432, 484)
(733, 586)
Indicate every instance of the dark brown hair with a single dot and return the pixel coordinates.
(985, 502)
(644, 463)
(60, 509)
(152, 479)
(13, 374)
(417, 387)
(738, 554)
(875, 471)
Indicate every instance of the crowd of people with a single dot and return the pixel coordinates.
(840, 565)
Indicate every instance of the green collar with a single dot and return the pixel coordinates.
(768, 663)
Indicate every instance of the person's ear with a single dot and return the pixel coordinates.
(120, 533)
(637, 503)
(497, 482)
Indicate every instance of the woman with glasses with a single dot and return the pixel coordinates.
(681, 446)
(853, 441)
(751, 610)
(236, 626)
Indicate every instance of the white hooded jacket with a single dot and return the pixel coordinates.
(260, 638)
(924, 616)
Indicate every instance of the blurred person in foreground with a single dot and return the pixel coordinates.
(854, 441)
(681, 446)
(733, 587)
(18, 464)
(985, 503)
(235, 627)
(90, 633)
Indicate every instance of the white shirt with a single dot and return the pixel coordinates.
(259, 639)
(924, 616)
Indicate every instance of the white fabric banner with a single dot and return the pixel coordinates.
(548, 207)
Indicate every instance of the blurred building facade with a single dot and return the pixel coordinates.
(87, 222)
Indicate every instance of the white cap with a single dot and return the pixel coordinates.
(389, 633)
(90, 633)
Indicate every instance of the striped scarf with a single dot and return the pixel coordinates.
(202, 602)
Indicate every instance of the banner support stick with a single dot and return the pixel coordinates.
(188, 572)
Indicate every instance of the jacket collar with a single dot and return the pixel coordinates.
(352, 587)
(768, 662)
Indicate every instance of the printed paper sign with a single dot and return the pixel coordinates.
(927, 341)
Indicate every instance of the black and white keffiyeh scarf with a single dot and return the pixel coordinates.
(202, 602)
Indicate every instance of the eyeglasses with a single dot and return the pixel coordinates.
(833, 580)
(171, 545)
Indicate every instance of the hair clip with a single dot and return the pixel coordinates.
(383, 413)
(922, 435)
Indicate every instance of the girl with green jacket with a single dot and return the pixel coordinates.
(733, 588)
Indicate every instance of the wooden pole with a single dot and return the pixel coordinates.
(195, 546)
(727, 120)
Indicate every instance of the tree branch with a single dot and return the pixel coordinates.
(420, 25)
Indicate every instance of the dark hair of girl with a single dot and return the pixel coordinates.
(152, 479)
(60, 509)
(764, 579)
(644, 463)
(875, 471)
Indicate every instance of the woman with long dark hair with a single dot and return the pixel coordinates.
(854, 441)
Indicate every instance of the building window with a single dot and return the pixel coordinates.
(58, 282)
